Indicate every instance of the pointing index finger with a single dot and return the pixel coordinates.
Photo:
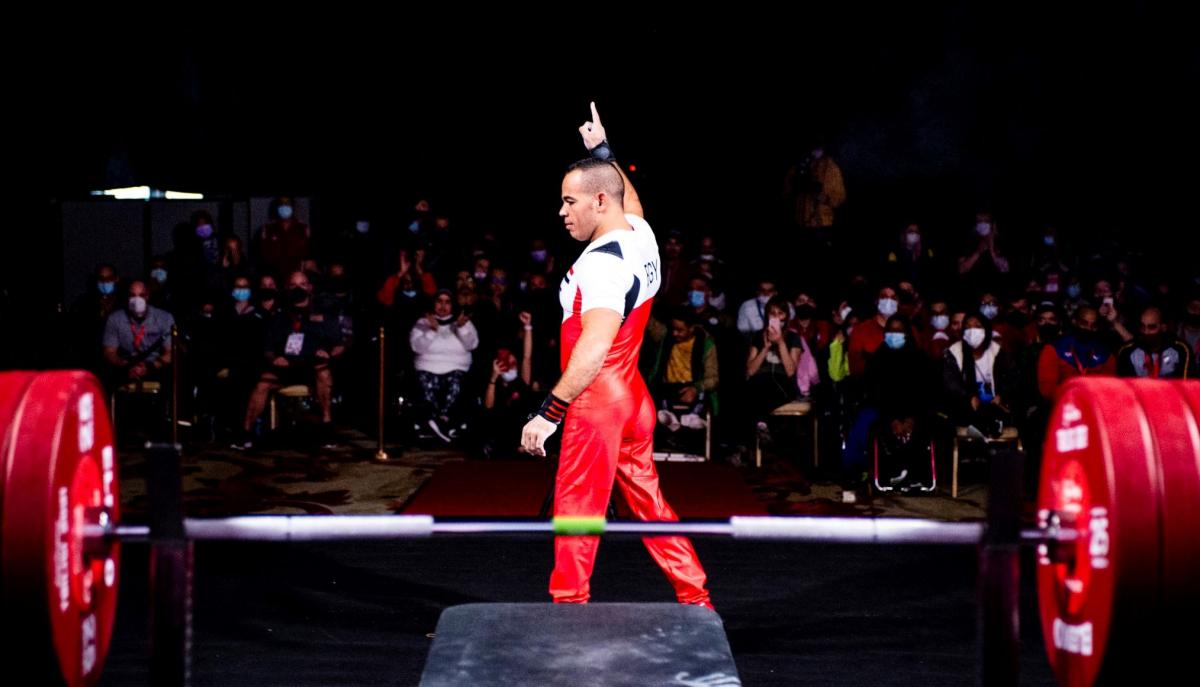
(595, 114)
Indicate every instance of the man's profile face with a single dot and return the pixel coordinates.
(579, 208)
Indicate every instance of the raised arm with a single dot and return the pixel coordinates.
(596, 142)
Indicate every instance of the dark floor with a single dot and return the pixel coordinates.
(361, 613)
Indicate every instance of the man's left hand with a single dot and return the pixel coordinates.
(535, 434)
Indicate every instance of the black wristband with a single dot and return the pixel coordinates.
(553, 409)
(603, 151)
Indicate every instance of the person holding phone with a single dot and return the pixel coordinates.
(771, 365)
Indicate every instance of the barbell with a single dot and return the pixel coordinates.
(1116, 537)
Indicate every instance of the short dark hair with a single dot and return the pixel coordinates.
(600, 176)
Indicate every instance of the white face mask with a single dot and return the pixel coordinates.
(138, 305)
(974, 337)
(845, 312)
(509, 376)
(888, 306)
(983, 228)
(911, 239)
(940, 322)
(362, 227)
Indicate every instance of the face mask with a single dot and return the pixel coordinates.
(1047, 332)
(285, 212)
(509, 376)
(990, 310)
(204, 231)
(983, 228)
(409, 294)
(1048, 240)
(268, 294)
(480, 276)
(974, 337)
(1052, 287)
(894, 340)
(845, 312)
(888, 306)
(708, 256)
(805, 312)
(298, 294)
(106, 287)
(911, 239)
(415, 226)
(523, 285)
(538, 255)
(241, 295)
(362, 227)
(159, 275)
(1073, 290)
(137, 305)
(940, 322)
(762, 299)
(696, 298)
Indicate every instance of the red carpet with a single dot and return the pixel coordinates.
(517, 489)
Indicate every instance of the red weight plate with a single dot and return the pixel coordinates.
(1100, 476)
(12, 390)
(1180, 456)
(59, 602)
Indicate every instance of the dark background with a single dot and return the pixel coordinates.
(1080, 115)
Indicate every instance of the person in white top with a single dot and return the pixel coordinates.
(442, 345)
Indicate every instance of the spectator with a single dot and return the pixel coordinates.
(977, 377)
(509, 397)
(685, 371)
(283, 242)
(1155, 353)
(1080, 352)
(137, 339)
(442, 345)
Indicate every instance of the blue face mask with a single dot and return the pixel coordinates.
(409, 294)
(285, 212)
(107, 288)
(241, 295)
(696, 298)
(158, 274)
(1073, 290)
(894, 340)
(205, 230)
(538, 255)
(989, 310)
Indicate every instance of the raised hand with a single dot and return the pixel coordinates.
(592, 131)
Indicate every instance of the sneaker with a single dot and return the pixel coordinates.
(667, 419)
(693, 421)
(242, 442)
(433, 425)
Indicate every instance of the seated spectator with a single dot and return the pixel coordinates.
(771, 365)
(977, 378)
(685, 371)
(137, 340)
(704, 313)
(867, 337)
(814, 332)
(750, 312)
(1155, 353)
(937, 338)
(301, 341)
(268, 297)
(442, 343)
(89, 317)
(1080, 352)
(897, 406)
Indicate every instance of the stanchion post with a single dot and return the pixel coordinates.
(174, 385)
(1000, 573)
(381, 454)
(171, 556)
